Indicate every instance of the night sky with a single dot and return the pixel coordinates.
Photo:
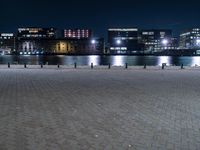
(99, 15)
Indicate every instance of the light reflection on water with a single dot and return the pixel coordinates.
(93, 59)
(164, 59)
(102, 60)
(195, 61)
(118, 60)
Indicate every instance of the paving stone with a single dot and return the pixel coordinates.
(84, 109)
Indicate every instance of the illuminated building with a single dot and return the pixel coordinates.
(36, 33)
(7, 41)
(157, 40)
(190, 39)
(48, 46)
(77, 33)
(61, 46)
(123, 40)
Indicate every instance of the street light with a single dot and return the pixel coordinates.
(198, 42)
(119, 42)
(165, 42)
(93, 41)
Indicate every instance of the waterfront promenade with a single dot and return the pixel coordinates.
(99, 109)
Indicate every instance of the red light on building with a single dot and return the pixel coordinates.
(77, 33)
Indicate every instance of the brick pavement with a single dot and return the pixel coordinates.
(99, 109)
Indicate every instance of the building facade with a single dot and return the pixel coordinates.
(123, 41)
(36, 33)
(61, 46)
(77, 33)
(157, 40)
(190, 39)
(7, 42)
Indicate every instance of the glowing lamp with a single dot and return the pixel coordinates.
(93, 41)
(119, 42)
(165, 42)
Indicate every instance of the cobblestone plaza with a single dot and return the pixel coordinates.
(99, 109)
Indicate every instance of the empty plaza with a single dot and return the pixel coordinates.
(99, 109)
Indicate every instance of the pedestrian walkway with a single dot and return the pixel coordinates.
(99, 109)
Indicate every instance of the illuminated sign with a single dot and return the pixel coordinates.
(7, 34)
(33, 30)
(118, 48)
(147, 33)
(124, 30)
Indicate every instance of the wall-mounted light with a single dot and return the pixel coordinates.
(93, 41)
(165, 42)
(198, 42)
(118, 42)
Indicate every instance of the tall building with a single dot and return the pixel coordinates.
(36, 33)
(123, 40)
(156, 40)
(77, 33)
(190, 39)
(7, 41)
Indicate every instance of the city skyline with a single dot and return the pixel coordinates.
(61, 31)
(99, 15)
(120, 41)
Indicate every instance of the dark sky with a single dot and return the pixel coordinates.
(99, 15)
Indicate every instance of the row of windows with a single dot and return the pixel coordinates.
(6, 38)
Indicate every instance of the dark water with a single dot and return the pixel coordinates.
(101, 60)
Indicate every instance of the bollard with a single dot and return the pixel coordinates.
(58, 66)
(163, 66)
(145, 66)
(41, 65)
(8, 65)
(24, 65)
(182, 66)
(75, 65)
(109, 66)
(126, 66)
(92, 66)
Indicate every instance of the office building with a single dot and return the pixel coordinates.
(7, 41)
(157, 40)
(123, 41)
(36, 33)
(190, 39)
